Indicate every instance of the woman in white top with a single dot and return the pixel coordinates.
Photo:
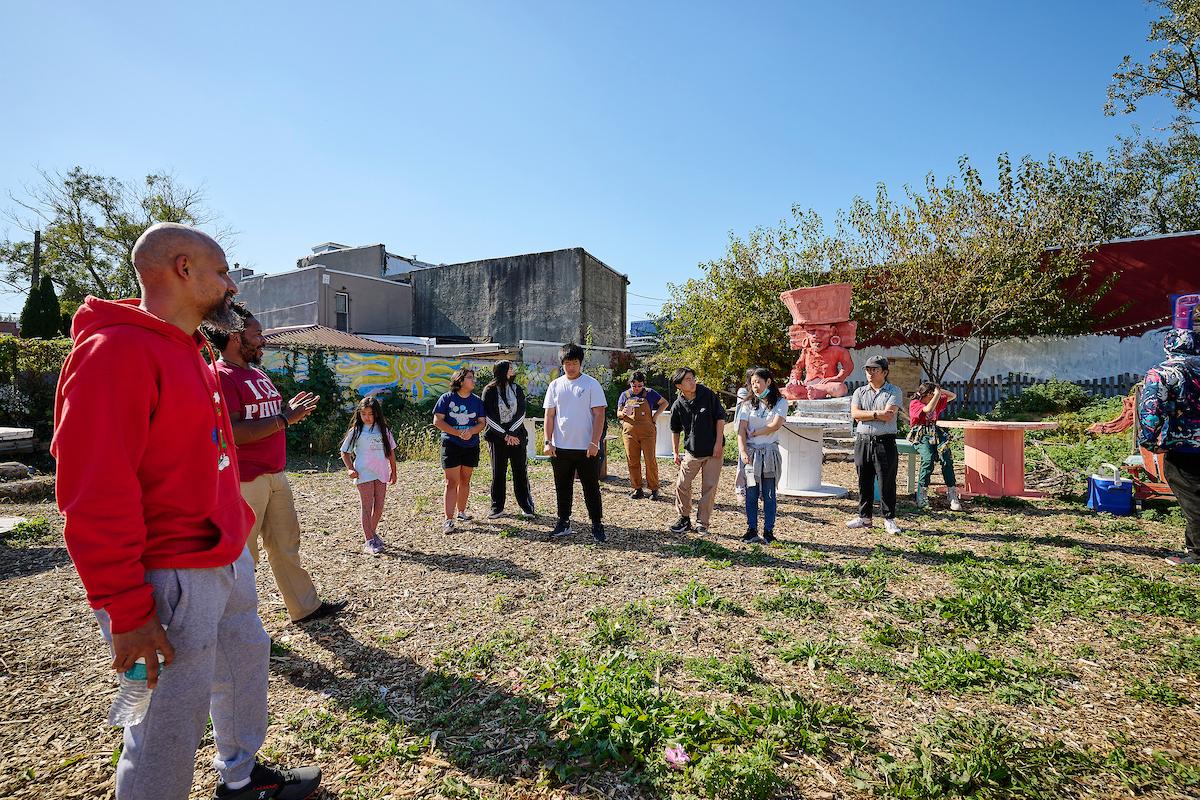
(759, 421)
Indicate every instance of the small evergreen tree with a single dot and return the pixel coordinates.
(41, 318)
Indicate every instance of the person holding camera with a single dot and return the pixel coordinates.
(933, 443)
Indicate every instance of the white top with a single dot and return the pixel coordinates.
(573, 402)
(758, 418)
(369, 459)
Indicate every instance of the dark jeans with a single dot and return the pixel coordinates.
(502, 456)
(767, 489)
(876, 455)
(567, 465)
(1182, 471)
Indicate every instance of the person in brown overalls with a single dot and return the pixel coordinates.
(638, 409)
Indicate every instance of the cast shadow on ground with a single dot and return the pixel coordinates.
(483, 729)
(456, 562)
(20, 562)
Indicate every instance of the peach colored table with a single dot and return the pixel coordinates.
(995, 456)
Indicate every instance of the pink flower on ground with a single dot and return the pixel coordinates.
(676, 757)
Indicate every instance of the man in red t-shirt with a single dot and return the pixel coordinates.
(260, 419)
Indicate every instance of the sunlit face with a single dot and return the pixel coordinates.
(367, 415)
(636, 387)
(759, 384)
(572, 368)
(468, 383)
(212, 287)
(688, 384)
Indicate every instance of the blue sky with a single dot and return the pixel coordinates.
(644, 132)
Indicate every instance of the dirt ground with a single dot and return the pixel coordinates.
(415, 611)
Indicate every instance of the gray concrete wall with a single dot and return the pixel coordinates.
(532, 296)
(376, 305)
(367, 260)
(603, 302)
(282, 299)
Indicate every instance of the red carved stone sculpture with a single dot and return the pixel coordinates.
(822, 332)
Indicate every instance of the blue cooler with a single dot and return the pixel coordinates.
(1112, 495)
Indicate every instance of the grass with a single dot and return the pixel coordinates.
(960, 670)
(34, 530)
(1153, 691)
(814, 653)
(701, 597)
(792, 604)
(735, 674)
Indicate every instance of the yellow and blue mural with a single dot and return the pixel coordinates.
(419, 377)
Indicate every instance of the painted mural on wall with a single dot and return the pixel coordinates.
(419, 377)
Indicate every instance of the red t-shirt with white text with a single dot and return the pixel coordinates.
(250, 393)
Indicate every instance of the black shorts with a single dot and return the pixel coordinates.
(454, 456)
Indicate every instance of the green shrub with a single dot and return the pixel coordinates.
(30, 531)
(1052, 397)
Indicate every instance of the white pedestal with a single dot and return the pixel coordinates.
(800, 445)
(662, 436)
(531, 448)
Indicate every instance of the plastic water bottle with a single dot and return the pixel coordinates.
(133, 698)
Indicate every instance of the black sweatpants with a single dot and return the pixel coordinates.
(1182, 471)
(502, 456)
(876, 455)
(567, 465)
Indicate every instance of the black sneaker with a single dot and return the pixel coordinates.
(637, 494)
(561, 529)
(654, 494)
(750, 536)
(1185, 559)
(277, 784)
(768, 535)
(682, 525)
(326, 609)
(598, 532)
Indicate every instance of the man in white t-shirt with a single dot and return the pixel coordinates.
(575, 406)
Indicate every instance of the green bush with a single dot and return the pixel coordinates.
(1052, 397)
(29, 371)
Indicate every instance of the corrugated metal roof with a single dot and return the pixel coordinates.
(320, 336)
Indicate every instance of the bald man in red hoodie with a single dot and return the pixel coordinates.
(156, 524)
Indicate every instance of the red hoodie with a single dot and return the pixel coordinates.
(135, 437)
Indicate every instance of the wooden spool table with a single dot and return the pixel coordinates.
(995, 456)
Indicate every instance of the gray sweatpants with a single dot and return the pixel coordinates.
(222, 655)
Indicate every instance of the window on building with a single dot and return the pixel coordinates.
(341, 310)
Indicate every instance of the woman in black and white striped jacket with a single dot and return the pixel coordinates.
(506, 437)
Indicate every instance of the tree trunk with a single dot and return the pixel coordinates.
(983, 350)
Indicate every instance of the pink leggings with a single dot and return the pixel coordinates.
(370, 495)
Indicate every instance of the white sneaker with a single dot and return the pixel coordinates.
(891, 527)
(955, 503)
(448, 526)
(859, 522)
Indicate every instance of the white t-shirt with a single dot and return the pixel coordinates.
(573, 402)
(759, 418)
(369, 459)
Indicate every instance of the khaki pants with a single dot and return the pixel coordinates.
(270, 497)
(639, 443)
(710, 475)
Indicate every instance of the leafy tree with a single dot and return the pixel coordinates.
(960, 264)
(731, 317)
(1172, 71)
(89, 224)
(41, 318)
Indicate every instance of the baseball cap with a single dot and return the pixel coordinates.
(877, 361)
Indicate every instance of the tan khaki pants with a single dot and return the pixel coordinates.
(270, 497)
(709, 470)
(639, 443)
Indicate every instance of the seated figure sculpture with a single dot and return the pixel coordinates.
(823, 366)
(823, 335)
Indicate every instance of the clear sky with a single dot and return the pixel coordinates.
(644, 132)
